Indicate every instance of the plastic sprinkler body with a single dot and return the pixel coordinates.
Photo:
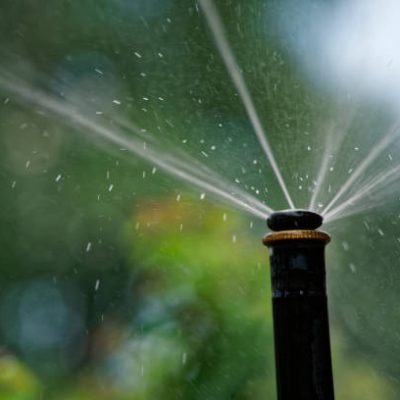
(300, 311)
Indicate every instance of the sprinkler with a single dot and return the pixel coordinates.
(300, 311)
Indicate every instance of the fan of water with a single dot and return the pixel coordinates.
(344, 200)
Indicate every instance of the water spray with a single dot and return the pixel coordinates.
(300, 310)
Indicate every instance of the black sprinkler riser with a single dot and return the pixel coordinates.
(300, 312)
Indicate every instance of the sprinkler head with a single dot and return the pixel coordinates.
(294, 225)
(294, 219)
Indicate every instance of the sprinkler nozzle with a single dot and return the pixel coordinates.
(294, 225)
(294, 219)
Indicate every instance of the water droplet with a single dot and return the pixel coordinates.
(111, 187)
(97, 284)
(58, 177)
(88, 247)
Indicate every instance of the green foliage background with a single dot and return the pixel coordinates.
(172, 291)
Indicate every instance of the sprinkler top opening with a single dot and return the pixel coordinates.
(294, 219)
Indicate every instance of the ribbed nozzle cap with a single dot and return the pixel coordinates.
(294, 219)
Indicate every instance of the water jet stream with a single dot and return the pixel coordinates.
(73, 118)
(385, 177)
(216, 26)
(334, 139)
(193, 166)
(323, 169)
(374, 153)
